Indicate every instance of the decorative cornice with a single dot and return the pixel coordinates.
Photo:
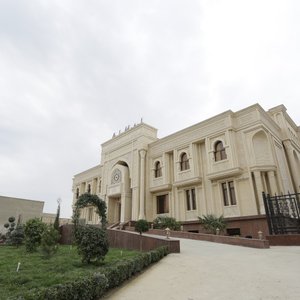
(223, 174)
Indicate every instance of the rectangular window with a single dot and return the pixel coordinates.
(90, 214)
(190, 199)
(232, 193)
(162, 202)
(188, 203)
(228, 193)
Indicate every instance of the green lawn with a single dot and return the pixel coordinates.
(35, 271)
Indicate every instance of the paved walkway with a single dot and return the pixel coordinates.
(205, 270)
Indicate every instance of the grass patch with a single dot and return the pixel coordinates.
(36, 271)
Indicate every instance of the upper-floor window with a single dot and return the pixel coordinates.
(77, 193)
(184, 162)
(99, 188)
(190, 199)
(228, 193)
(89, 189)
(220, 152)
(157, 170)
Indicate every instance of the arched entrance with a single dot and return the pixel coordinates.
(119, 194)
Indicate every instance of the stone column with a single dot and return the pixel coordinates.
(273, 183)
(292, 164)
(260, 189)
(142, 184)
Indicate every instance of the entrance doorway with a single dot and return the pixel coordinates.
(114, 210)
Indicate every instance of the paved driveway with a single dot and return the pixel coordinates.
(205, 270)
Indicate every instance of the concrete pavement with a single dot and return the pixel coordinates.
(205, 270)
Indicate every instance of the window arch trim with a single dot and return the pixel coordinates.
(184, 162)
(219, 151)
(157, 169)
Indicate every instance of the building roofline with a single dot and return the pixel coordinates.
(128, 131)
(88, 170)
(10, 197)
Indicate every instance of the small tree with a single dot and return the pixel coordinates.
(34, 228)
(92, 243)
(10, 226)
(17, 236)
(211, 223)
(56, 222)
(141, 226)
(49, 241)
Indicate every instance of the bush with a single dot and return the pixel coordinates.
(123, 270)
(141, 226)
(34, 229)
(10, 226)
(212, 223)
(49, 241)
(166, 222)
(17, 236)
(92, 243)
(88, 288)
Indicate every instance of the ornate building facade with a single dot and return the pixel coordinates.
(219, 166)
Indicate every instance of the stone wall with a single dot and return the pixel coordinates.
(238, 241)
(284, 240)
(126, 240)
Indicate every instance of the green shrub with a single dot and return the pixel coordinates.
(34, 228)
(49, 241)
(92, 243)
(10, 226)
(17, 236)
(123, 270)
(141, 226)
(166, 222)
(88, 288)
(211, 223)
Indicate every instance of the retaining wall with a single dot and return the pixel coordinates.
(238, 241)
(284, 240)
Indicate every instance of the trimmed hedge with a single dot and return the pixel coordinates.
(95, 285)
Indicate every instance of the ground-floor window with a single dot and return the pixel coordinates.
(90, 214)
(162, 204)
(190, 198)
(228, 193)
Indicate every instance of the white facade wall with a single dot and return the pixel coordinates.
(262, 153)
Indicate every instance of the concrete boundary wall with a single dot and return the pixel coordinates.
(238, 241)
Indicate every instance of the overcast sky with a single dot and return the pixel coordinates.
(74, 72)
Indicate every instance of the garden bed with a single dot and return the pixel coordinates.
(64, 272)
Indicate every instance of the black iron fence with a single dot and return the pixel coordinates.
(283, 213)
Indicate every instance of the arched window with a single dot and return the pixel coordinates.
(157, 170)
(77, 193)
(89, 189)
(184, 162)
(220, 152)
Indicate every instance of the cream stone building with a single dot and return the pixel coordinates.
(49, 218)
(220, 166)
(22, 209)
